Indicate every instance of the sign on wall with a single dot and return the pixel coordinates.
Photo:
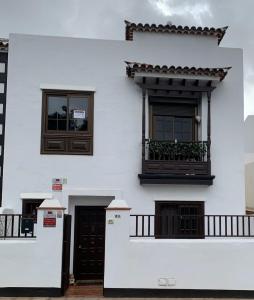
(57, 184)
(49, 218)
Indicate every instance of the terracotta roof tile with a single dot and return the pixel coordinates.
(134, 67)
(131, 27)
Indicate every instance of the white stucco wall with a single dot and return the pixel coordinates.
(211, 264)
(33, 262)
(116, 162)
(249, 160)
(249, 185)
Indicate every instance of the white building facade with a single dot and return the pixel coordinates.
(153, 123)
(249, 162)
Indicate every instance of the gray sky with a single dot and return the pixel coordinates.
(104, 19)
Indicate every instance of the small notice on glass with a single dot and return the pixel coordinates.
(79, 114)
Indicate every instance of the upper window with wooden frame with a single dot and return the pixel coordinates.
(67, 122)
(173, 120)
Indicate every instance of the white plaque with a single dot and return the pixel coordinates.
(79, 114)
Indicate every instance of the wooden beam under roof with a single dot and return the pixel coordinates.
(176, 87)
(168, 94)
(196, 83)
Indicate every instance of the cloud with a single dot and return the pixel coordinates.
(197, 11)
(104, 19)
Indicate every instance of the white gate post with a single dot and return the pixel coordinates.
(49, 235)
(116, 241)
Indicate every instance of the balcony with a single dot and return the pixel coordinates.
(174, 97)
(176, 162)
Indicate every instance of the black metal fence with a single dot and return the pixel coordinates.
(16, 226)
(192, 226)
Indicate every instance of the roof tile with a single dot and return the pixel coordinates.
(134, 67)
(131, 27)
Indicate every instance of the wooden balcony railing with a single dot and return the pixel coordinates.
(176, 163)
(192, 226)
(16, 226)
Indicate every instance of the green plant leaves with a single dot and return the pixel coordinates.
(166, 150)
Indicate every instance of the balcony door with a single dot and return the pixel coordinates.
(173, 122)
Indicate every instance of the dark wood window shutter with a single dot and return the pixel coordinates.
(179, 219)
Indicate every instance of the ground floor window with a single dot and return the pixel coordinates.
(180, 219)
(29, 207)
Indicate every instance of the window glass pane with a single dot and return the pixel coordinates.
(61, 124)
(52, 124)
(163, 128)
(183, 129)
(78, 113)
(57, 112)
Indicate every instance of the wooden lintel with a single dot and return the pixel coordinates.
(192, 95)
(176, 87)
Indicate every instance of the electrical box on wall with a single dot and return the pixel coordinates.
(171, 281)
(162, 281)
(167, 281)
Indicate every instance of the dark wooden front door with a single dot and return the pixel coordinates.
(89, 242)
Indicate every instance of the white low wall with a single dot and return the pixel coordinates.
(33, 262)
(213, 264)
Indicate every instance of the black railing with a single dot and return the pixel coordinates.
(176, 151)
(16, 226)
(192, 226)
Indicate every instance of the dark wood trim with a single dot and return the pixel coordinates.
(3, 59)
(190, 88)
(176, 293)
(176, 167)
(161, 97)
(70, 142)
(176, 179)
(209, 131)
(199, 234)
(75, 246)
(30, 292)
(143, 122)
(67, 222)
